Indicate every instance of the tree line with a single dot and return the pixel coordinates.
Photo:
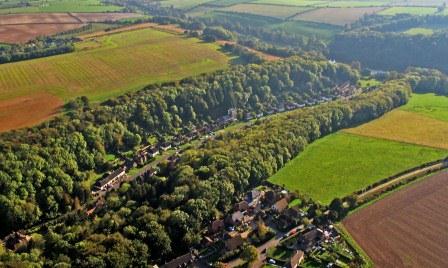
(156, 218)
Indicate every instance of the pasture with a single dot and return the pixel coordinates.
(140, 57)
(340, 164)
(308, 28)
(429, 105)
(407, 228)
(336, 16)
(409, 10)
(419, 31)
(51, 6)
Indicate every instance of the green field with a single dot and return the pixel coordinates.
(428, 105)
(35, 6)
(409, 10)
(183, 4)
(419, 31)
(275, 11)
(342, 163)
(111, 65)
(307, 28)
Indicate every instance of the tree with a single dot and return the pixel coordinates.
(249, 253)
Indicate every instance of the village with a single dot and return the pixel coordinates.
(278, 225)
(269, 218)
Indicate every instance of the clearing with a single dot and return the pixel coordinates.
(140, 57)
(407, 228)
(340, 164)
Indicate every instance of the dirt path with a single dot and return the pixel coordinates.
(404, 177)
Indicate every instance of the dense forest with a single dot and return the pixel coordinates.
(42, 169)
(141, 222)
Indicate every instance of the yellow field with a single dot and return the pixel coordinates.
(407, 127)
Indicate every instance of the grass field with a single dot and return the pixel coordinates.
(308, 28)
(408, 10)
(183, 4)
(419, 31)
(429, 105)
(342, 163)
(139, 58)
(347, 161)
(37, 6)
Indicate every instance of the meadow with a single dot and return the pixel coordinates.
(42, 6)
(337, 16)
(275, 11)
(340, 164)
(408, 10)
(352, 159)
(419, 31)
(109, 66)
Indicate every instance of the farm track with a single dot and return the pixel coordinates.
(408, 228)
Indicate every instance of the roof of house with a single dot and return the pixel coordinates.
(216, 225)
(234, 242)
(182, 261)
(112, 176)
(237, 216)
(243, 205)
(281, 204)
(296, 258)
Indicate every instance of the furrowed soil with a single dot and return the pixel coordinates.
(408, 228)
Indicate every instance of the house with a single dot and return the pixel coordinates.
(153, 151)
(216, 226)
(280, 205)
(15, 240)
(309, 239)
(114, 178)
(270, 197)
(232, 113)
(234, 242)
(296, 259)
(183, 261)
(241, 206)
(236, 218)
(293, 212)
(165, 146)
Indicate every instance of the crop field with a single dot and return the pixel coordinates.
(182, 4)
(44, 6)
(406, 127)
(336, 16)
(18, 28)
(140, 57)
(340, 164)
(407, 228)
(275, 11)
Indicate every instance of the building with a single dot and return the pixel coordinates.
(216, 226)
(236, 218)
(183, 261)
(111, 180)
(296, 259)
(241, 206)
(153, 151)
(15, 240)
(280, 205)
(309, 239)
(234, 242)
(165, 146)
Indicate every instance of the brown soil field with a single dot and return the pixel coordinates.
(337, 16)
(19, 28)
(25, 32)
(408, 228)
(28, 111)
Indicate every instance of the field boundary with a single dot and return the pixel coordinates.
(372, 191)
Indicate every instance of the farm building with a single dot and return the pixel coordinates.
(111, 180)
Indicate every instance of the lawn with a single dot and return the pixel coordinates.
(37, 6)
(429, 105)
(340, 164)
